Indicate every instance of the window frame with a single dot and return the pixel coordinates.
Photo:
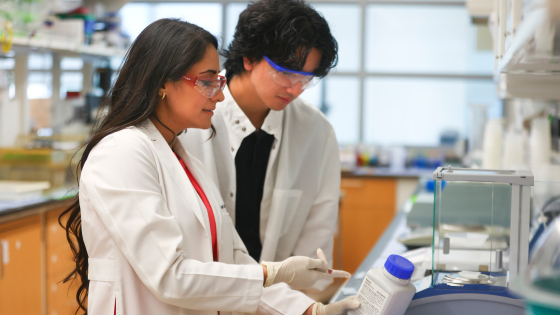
(362, 74)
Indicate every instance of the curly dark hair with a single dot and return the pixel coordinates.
(283, 30)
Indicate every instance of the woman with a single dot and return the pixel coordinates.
(152, 233)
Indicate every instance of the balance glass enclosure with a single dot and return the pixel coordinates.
(477, 229)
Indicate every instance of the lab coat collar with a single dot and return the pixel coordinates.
(177, 172)
(240, 124)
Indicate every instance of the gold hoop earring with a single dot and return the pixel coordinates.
(163, 96)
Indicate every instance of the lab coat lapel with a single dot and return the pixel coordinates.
(174, 167)
(204, 181)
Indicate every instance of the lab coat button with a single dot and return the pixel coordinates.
(231, 195)
(243, 129)
(237, 121)
(232, 149)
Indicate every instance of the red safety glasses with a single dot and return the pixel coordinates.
(208, 87)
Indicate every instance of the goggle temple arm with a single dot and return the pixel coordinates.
(282, 69)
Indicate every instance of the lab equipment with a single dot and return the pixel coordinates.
(386, 290)
(467, 277)
(540, 283)
(480, 242)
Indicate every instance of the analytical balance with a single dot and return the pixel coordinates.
(481, 223)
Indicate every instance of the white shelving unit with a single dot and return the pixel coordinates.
(18, 122)
(68, 48)
(526, 66)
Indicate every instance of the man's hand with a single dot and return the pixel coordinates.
(336, 308)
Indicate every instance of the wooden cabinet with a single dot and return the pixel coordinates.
(367, 207)
(21, 270)
(61, 297)
(36, 258)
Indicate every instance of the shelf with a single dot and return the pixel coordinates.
(66, 47)
(525, 71)
(521, 57)
(542, 86)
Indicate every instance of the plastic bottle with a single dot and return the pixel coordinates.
(386, 290)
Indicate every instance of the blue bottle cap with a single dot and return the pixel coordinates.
(399, 267)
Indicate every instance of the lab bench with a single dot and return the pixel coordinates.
(36, 256)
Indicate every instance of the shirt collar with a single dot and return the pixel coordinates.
(240, 123)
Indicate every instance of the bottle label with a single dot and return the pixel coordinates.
(372, 298)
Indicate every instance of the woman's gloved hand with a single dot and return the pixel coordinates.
(336, 308)
(301, 272)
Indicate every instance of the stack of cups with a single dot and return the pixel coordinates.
(492, 148)
(514, 151)
(539, 145)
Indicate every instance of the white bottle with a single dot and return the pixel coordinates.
(386, 290)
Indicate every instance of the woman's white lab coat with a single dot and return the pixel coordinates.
(148, 238)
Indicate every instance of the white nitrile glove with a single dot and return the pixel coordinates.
(301, 272)
(336, 308)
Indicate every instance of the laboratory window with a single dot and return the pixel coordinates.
(71, 63)
(338, 98)
(232, 16)
(424, 39)
(415, 111)
(7, 63)
(344, 21)
(70, 82)
(39, 61)
(39, 85)
(136, 16)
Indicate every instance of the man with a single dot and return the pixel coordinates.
(275, 157)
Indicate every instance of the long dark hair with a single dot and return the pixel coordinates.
(163, 52)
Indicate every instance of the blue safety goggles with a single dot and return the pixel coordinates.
(290, 78)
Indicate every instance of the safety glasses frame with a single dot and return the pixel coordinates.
(308, 79)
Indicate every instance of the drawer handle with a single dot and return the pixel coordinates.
(1, 259)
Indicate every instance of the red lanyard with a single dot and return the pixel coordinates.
(211, 217)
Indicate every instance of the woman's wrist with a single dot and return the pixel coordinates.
(309, 310)
(265, 275)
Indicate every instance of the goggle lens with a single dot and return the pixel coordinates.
(289, 78)
(208, 87)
